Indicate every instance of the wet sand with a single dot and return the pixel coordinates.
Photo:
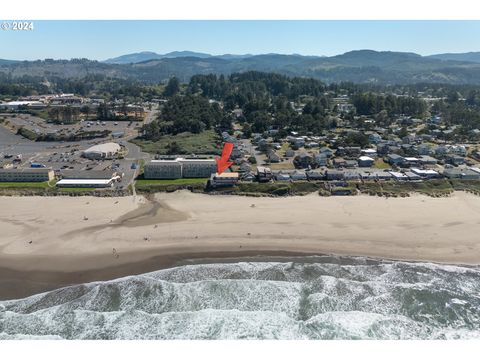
(52, 242)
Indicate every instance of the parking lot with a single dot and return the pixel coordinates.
(66, 155)
(41, 126)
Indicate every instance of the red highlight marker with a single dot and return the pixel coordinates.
(222, 162)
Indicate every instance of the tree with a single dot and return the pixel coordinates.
(173, 148)
(85, 109)
(172, 88)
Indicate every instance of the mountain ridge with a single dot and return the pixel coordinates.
(361, 66)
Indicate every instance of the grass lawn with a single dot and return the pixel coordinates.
(42, 185)
(285, 147)
(75, 189)
(207, 142)
(145, 182)
(282, 166)
(380, 164)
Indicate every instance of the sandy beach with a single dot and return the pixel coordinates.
(48, 242)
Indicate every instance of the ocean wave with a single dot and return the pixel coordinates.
(320, 297)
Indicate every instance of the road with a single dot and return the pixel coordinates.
(250, 148)
(152, 114)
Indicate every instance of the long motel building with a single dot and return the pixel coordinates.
(180, 168)
(26, 175)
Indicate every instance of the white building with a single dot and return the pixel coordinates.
(86, 183)
(102, 151)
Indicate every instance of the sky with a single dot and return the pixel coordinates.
(100, 40)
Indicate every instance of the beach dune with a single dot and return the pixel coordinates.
(48, 242)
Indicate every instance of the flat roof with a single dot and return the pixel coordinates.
(365, 158)
(87, 174)
(422, 171)
(226, 175)
(84, 182)
(26, 170)
(398, 174)
(107, 147)
(183, 160)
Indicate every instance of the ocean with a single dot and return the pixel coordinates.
(316, 297)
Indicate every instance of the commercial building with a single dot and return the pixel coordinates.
(88, 179)
(89, 174)
(163, 169)
(102, 151)
(198, 168)
(26, 175)
(180, 167)
(86, 183)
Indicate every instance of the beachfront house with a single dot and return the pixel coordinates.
(365, 161)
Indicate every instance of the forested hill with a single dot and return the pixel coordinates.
(363, 66)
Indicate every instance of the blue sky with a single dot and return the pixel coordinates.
(104, 39)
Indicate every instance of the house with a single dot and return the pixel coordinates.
(455, 160)
(326, 151)
(383, 175)
(369, 152)
(289, 153)
(321, 159)
(339, 162)
(298, 175)
(237, 153)
(427, 174)
(249, 176)
(374, 138)
(351, 175)
(264, 174)
(394, 159)
(303, 161)
(223, 179)
(365, 161)
(410, 161)
(427, 160)
(315, 175)
(351, 151)
(458, 173)
(245, 167)
(334, 175)
(273, 157)
(412, 176)
(281, 176)
(424, 149)
(398, 176)
(351, 163)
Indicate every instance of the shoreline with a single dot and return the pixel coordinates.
(39, 281)
(43, 250)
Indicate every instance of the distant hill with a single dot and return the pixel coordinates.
(360, 66)
(469, 56)
(6, 62)
(149, 55)
(134, 58)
